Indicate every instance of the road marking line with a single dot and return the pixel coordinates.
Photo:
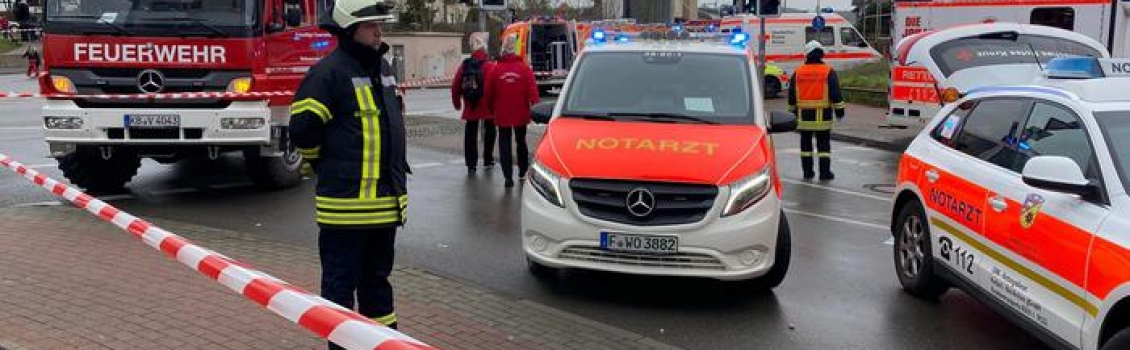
(116, 197)
(44, 165)
(889, 241)
(36, 204)
(20, 128)
(837, 219)
(173, 191)
(426, 165)
(837, 190)
(432, 111)
(231, 185)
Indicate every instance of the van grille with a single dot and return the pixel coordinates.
(675, 203)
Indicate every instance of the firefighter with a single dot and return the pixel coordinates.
(815, 95)
(347, 122)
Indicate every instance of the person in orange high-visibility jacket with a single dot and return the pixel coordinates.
(815, 95)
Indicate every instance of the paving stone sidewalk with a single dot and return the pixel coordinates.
(71, 281)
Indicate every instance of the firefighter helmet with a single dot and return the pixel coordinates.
(349, 12)
(812, 46)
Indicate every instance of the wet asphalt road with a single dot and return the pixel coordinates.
(841, 292)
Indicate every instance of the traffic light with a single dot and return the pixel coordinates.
(768, 7)
(494, 4)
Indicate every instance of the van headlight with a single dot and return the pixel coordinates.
(546, 183)
(748, 191)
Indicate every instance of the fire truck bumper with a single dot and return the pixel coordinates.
(240, 123)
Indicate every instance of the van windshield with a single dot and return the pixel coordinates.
(663, 87)
(1002, 49)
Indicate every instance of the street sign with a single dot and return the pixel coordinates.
(818, 23)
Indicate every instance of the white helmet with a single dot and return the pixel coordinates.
(812, 46)
(350, 12)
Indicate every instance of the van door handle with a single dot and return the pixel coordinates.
(932, 175)
(998, 204)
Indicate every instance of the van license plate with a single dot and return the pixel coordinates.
(152, 121)
(639, 243)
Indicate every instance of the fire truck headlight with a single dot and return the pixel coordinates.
(63, 85)
(241, 123)
(546, 183)
(62, 122)
(746, 192)
(240, 85)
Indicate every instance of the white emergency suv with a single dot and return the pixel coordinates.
(929, 64)
(1017, 195)
(657, 160)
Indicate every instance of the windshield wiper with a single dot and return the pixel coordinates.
(197, 21)
(589, 115)
(665, 116)
(118, 29)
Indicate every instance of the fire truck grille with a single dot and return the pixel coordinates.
(674, 203)
(680, 260)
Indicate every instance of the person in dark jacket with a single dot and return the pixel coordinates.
(815, 95)
(510, 92)
(475, 113)
(347, 122)
(33, 61)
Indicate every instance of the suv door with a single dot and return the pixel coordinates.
(1047, 233)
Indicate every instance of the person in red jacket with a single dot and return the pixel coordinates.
(510, 92)
(468, 94)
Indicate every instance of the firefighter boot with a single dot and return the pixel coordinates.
(826, 169)
(806, 165)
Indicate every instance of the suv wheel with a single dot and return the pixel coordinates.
(913, 256)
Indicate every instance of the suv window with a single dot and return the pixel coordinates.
(946, 131)
(1003, 49)
(1059, 17)
(989, 132)
(1052, 130)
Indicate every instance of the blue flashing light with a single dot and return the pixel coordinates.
(622, 38)
(739, 39)
(828, 10)
(598, 36)
(1074, 68)
(711, 28)
(320, 45)
(677, 28)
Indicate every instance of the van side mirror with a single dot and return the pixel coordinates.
(542, 112)
(1057, 173)
(782, 121)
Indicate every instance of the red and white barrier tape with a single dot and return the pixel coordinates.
(320, 316)
(197, 95)
(426, 82)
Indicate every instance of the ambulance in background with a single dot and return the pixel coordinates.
(937, 67)
(548, 45)
(844, 47)
(1104, 21)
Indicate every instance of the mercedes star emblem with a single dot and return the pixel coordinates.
(150, 81)
(640, 202)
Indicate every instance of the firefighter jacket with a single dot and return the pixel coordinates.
(347, 122)
(815, 95)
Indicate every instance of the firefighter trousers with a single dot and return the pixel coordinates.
(359, 261)
(823, 153)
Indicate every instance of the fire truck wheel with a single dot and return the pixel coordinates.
(772, 87)
(1120, 340)
(274, 172)
(87, 169)
(914, 261)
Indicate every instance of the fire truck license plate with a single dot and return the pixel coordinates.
(152, 121)
(639, 243)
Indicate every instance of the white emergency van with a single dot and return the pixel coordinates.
(844, 47)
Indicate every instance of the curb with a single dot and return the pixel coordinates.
(885, 145)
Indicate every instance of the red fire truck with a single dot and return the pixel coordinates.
(99, 50)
